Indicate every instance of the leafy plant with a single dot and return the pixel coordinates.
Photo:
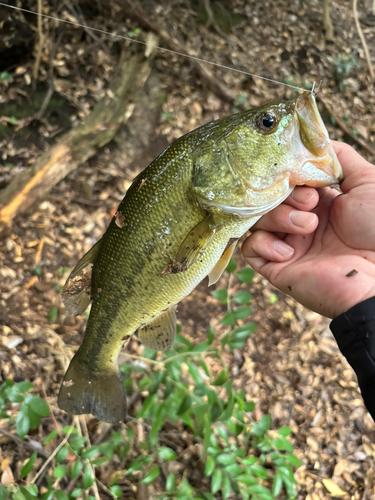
(239, 456)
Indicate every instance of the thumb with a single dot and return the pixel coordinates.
(356, 169)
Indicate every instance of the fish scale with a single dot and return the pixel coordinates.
(175, 226)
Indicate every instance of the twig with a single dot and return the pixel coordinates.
(355, 139)
(52, 456)
(24, 444)
(40, 44)
(82, 423)
(362, 37)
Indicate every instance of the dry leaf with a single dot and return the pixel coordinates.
(333, 488)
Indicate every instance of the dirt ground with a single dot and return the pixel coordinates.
(291, 367)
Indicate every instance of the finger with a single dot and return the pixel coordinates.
(267, 246)
(355, 168)
(285, 219)
(303, 198)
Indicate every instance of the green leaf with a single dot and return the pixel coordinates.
(17, 495)
(216, 480)
(38, 405)
(68, 429)
(226, 487)
(282, 444)
(76, 443)
(209, 466)
(228, 319)
(60, 471)
(259, 471)
(242, 312)
(61, 495)
(166, 453)
(232, 266)
(221, 295)
(23, 421)
(249, 406)
(293, 460)
(246, 275)
(116, 490)
(33, 489)
(50, 436)
(76, 469)
(285, 431)
(233, 470)
(225, 459)
(242, 332)
(277, 484)
(88, 479)
(249, 461)
(263, 425)
(242, 297)
(28, 467)
(3, 493)
(91, 452)
(185, 405)
(170, 484)
(207, 432)
(221, 378)
(52, 314)
(151, 475)
(246, 479)
(273, 298)
(34, 418)
(62, 454)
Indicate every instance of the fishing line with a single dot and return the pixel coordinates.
(194, 58)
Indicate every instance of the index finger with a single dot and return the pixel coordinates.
(355, 168)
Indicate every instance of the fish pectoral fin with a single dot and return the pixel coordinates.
(100, 393)
(193, 246)
(222, 264)
(161, 332)
(77, 289)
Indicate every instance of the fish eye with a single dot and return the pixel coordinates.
(266, 122)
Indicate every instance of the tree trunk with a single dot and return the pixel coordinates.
(81, 142)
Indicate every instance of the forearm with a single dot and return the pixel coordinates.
(354, 332)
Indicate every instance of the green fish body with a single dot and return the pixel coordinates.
(175, 226)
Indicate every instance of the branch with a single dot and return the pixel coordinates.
(364, 44)
(81, 142)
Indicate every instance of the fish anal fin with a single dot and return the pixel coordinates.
(77, 289)
(161, 332)
(193, 246)
(99, 393)
(222, 263)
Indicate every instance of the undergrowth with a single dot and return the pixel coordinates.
(230, 455)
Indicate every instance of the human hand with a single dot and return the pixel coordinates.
(311, 253)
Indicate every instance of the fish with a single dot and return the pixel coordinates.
(179, 222)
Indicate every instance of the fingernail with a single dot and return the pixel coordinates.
(283, 248)
(302, 195)
(256, 262)
(301, 219)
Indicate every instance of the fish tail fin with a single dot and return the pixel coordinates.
(100, 393)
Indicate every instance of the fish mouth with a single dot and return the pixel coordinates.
(320, 165)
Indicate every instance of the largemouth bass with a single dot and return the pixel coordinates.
(175, 226)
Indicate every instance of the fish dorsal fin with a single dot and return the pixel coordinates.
(77, 289)
(161, 332)
(193, 246)
(222, 264)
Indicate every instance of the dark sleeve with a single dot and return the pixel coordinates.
(354, 332)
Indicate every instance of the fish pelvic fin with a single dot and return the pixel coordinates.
(161, 332)
(77, 289)
(193, 246)
(222, 264)
(100, 393)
